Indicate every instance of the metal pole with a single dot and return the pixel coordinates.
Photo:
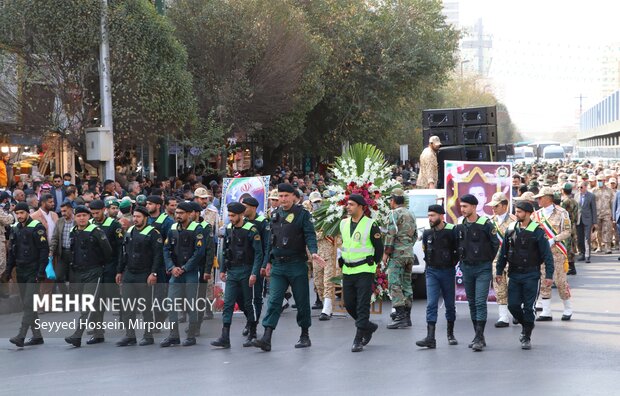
(105, 86)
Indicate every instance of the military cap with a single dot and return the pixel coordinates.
(525, 206)
(251, 201)
(358, 199)
(141, 209)
(236, 207)
(436, 209)
(156, 199)
(97, 204)
(186, 206)
(287, 188)
(81, 209)
(22, 206)
(469, 199)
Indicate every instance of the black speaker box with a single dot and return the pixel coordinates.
(486, 134)
(485, 152)
(508, 148)
(447, 136)
(439, 118)
(477, 116)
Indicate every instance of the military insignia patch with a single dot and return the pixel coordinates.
(357, 236)
(253, 229)
(290, 218)
(119, 232)
(159, 240)
(41, 232)
(199, 236)
(199, 243)
(257, 237)
(377, 235)
(43, 239)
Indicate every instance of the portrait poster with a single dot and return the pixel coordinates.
(234, 189)
(481, 179)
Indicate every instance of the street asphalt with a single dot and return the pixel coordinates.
(579, 357)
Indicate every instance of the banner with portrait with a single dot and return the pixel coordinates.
(234, 189)
(481, 179)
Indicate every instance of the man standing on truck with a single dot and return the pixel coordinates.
(428, 163)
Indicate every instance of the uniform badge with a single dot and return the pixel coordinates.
(43, 239)
(253, 229)
(41, 232)
(357, 236)
(119, 232)
(290, 218)
(377, 235)
(158, 240)
(199, 236)
(199, 243)
(257, 237)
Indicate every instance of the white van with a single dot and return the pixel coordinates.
(553, 153)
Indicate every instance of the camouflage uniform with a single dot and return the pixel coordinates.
(428, 167)
(5, 220)
(560, 221)
(401, 235)
(501, 289)
(327, 251)
(604, 227)
(572, 207)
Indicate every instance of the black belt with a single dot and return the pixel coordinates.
(288, 259)
(522, 270)
(367, 260)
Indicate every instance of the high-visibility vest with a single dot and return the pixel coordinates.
(357, 247)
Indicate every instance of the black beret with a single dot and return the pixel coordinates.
(358, 199)
(186, 206)
(196, 206)
(4, 195)
(469, 199)
(236, 207)
(156, 199)
(96, 204)
(251, 201)
(525, 206)
(81, 209)
(22, 206)
(436, 209)
(141, 209)
(285, 187)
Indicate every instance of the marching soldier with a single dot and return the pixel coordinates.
(440, 253)
(570, 205)
(184, 253)
(114, 232)
(524, 247)
(501, 219)
(555, 222)
(28, 253)
(398, 254)
(291, 231)
(262, 225)
(243, 258)
(604, 201)
(477, 248)
(91, 252)
(138, 268)
(362, 248)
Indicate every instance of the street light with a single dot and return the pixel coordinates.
(464, 61)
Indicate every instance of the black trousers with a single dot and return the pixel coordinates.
(134, 288)
(357, 290)
(584, 233)
(522, 294)
(28, 288)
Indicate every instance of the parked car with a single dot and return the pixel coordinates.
(418, 203)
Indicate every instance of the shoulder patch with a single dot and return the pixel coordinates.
(43, 239)
(377, 235)
(199, 235)
(41, 232)
(253, 229)
(257, 237)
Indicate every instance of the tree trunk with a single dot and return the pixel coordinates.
(272, 156)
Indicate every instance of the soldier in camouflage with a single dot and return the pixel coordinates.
(604, 227)
(556, 224)
(401, 235)
(570, 205)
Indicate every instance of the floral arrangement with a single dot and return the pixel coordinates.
(362, 170)
(379, 286)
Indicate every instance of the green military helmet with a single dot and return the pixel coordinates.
(141, 200)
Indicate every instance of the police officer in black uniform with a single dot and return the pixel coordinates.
(114, 232)
(91, 251)
(141, 261)
(478, 245)
(243, 257)
(440, 254)
(525, 247)
(204, 271)
(28, 252)
(262, 224)
(184, 254)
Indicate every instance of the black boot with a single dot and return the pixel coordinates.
(357, 341)
(400, 321)
(481, 343)
(251, 335)
(126, 341)
(475, 323)
(367, 334)
(194, 329)
(408, 312)
(147, 339)
(19, 339)
(36, 339)
(224, 340)
(429, 341)
(264, 343)
(526, 336)
(571, 269)
(246, 329)
(304, 339)
(451, 339)
(183, 317)
(318, 304)
(173, 338)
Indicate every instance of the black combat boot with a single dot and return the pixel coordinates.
(173, 338)
(246, 329)
(357, 341)
(37, 338)
(429, 341)
(224, 340)
(408, 312)
(126, 341)
(19, 339)
(571, 268)
(481, 343)
(451, 339)
(526, 336)
(251, 335)
(304, 339)
(147, 339)
(264, 343)
(400, 321)
(475, 323)
(194, 329)
(318, 304)
(367, 334)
